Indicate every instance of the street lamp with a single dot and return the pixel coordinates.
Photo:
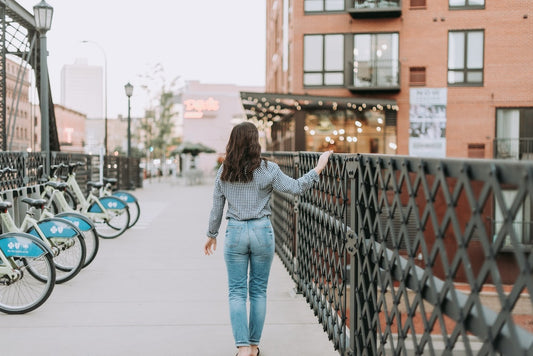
(105, 91)
(129, 91)
(42, 13)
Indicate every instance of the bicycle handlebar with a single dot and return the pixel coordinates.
(72, 166)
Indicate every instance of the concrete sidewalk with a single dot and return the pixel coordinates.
(152, 292)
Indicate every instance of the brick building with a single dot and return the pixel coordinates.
(70, 129)
(412, 77)
(21, 134)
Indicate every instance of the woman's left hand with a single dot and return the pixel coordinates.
(210, 246)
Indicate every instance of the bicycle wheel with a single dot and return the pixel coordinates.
(71, 199)
(133, 205)
(67, 243)
(87, 228)
(21, 292)
(118, 217)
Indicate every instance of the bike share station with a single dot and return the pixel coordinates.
(51, 230)
(51, 220)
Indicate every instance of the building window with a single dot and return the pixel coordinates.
(467, 4)
(323, 60)
(514, 133)
(417, 76)
(323, 5)
(375, 60)
(350, 131)
(465, 57)
(522, 222)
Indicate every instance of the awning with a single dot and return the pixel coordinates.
(276, 107)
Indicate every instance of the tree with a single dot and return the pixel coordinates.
(159, 119)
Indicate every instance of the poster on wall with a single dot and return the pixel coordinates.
(427, 122)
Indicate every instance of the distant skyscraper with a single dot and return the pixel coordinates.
(82, 88)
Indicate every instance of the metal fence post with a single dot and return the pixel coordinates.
(351, 246)
(296, 270)
(363, 294)
(368, 286)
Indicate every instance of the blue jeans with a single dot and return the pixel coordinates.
(248, 244)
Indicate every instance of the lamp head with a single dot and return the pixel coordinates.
(42, 13)
(129, 89)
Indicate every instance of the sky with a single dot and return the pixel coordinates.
(211, 41)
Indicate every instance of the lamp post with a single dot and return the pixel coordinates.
(42, 13)
(129, 91)
(105, 91)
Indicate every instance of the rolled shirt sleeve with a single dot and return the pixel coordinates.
(286, 184)
(215, 217)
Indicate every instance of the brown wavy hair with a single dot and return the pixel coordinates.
(243, 154)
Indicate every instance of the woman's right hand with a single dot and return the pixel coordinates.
(210, 246)
(323, 161)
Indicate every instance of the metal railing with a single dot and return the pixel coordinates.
(513, 148)
(383, 73)
(400, 255)
(365, 4)
(127, 172)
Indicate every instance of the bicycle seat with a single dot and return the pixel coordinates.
(36, 203)
(4, 205)
(110, 180)
(62, 186)
(96, 185)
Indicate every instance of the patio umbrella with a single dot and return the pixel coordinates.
(194, 149)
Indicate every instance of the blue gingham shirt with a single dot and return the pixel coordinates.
(250, 200)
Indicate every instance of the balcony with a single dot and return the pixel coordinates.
(375, 9)
(376, 76)
(514, 148)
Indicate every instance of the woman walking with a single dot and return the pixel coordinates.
(246, 182)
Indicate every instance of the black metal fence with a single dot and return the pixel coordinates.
(409, 256)
(126, 171)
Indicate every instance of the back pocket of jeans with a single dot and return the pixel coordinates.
(233, 236)
(265, 235)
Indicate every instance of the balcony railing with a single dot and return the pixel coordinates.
(376, 75)
(408, 256)
(514, 148)
(376, 8)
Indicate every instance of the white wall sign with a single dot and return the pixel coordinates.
(427, 122)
